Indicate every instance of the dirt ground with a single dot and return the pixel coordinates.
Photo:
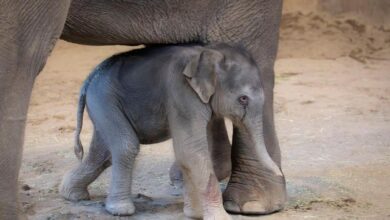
(332, 108)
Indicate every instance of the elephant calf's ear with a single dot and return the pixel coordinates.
(200, 73)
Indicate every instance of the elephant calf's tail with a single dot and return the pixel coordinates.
(78, 146)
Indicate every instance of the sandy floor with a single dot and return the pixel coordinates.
(332, 116)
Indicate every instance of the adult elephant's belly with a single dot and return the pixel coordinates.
(134, 22)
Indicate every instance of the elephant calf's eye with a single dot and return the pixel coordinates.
(243, 100)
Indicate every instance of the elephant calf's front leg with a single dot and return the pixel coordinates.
(219, 148)
(202, 194)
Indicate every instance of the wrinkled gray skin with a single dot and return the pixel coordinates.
(29, 30)
(147, 96)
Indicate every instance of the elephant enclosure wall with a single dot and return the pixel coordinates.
(332, 104)
(371, 11)
(359, 29)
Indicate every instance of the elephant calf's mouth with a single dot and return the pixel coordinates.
(243, 115)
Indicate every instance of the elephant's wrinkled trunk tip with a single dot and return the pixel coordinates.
(272, 166)
(257, 136)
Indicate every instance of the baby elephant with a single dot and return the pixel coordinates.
(149, 95)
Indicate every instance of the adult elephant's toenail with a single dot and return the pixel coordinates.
(254, 207)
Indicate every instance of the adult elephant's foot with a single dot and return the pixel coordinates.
(120, 207)
(256, 192)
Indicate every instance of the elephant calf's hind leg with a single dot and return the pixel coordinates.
(74, 184)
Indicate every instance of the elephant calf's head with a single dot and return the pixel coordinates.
(228, 79)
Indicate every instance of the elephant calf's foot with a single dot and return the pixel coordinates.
(73, 193)
(217, 214)
(192, 213)
(255, 197)
(121, 207)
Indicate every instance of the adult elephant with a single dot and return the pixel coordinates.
(29, 30)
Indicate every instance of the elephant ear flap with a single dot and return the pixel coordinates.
(201, 74)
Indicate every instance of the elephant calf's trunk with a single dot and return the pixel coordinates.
(255, 138)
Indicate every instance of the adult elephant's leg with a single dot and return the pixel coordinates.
(251, 189)
(28, 30)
